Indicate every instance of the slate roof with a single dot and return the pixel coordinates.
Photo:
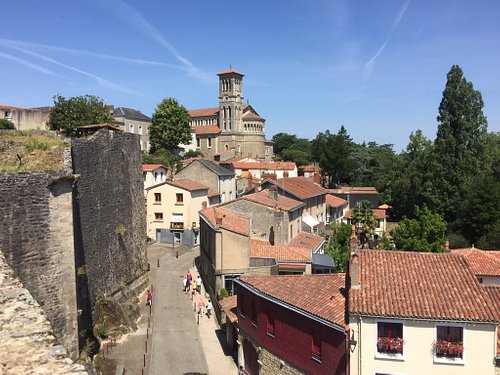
(410, 285)
(208, 129)
(203, 112)
(301, 187)
(334, 201)
(482, 262)
(230, 221)
(216, 168)
(318, 295)
(307, 241)
(283, 203)
(188, 185)
(130, 114)
(263, 249)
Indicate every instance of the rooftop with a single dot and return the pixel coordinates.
(220, 218)
(188, 185)
(318, 295)
(334, 201)
(203, 112)
(290, 166)
(152, 167)
(407, 284)
(353, 190)
(214, 167)
(307, 241)
(377, 212)
(281, 203)
(263, 249)
(481, 262)
(208, 129)
(130, 114)
(229, 71)
(301, 187)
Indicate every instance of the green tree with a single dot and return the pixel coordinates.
(68, 114)
(426, 232)
(165, 158)
(338, 247)
(193, 154)
(6, 124)
(282, 141)
(460, 142)
(364, 220)
(169, 126)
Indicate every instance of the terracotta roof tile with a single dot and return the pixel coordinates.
(283, 203)
(229, 305)
(288, 166)
(251, 116)
(319, 295)
(493, 292)
(188, 185)
(482, 262)
(306, 240)
(230, 71)
(378, 213)
(208, 129)
(229, 220)
(301, 187)
(263, 249)
(203, 112)
(419, 285)
(354, 190)
(334, 201)
(152, 167)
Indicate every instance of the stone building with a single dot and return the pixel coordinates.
(231, 126)
(133, 121)
(26, 118)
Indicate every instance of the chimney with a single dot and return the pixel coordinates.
(354, 271)
(250, 183)
(203, 205)
(218, 220)
(273, 193)
(446, 246)
(270, 176)
(317, 178)
(285, 174)
(353, 241)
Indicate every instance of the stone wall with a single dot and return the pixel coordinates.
(109, 209)
(36, 235)
(28, 344)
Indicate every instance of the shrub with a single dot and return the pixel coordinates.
(6, 124)
(223, 293)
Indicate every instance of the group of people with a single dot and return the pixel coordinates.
(194, 286)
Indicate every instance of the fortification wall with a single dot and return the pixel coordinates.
(111, 220)
(36, 235)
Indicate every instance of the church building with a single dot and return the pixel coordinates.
(233, 127)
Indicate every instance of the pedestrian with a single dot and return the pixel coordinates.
(189, 276)
(201, 305)
(209, 309)
(149, 298)
(193, 287)
(184, 283)
(188, 285)
(198, 284)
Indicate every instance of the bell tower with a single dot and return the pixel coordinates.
(230, 101)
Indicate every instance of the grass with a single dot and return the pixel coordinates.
(25, 152)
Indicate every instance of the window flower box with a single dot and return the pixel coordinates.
(449, 349)
(390, 345)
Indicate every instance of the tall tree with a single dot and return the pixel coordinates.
(364, 220)
(169, 126)
(68, 114)
(460, 142)
(282, 141)
(426, 232)
(338, 247)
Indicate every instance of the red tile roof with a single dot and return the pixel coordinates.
(318, 295)
(493, 292)
(230, 221)
(419, 285)
(283, 203)
(290, 166)
(263, 249)
(229, 306)
(301, 187)
(11, 107)
(306, 240)
(230, 71)
(212, 193)
(378, 213)
(188, 185)
(353, 190)
(482, 262)
(203, 112)
(308, 168)
(334, 201)
(251, 116)
(152, 167)
(208, 129)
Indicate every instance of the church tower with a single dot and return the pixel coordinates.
(230, 101)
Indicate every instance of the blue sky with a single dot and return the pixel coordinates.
(376, 67)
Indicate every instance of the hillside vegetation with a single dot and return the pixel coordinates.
(29, 152)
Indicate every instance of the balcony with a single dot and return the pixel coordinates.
(176, 225)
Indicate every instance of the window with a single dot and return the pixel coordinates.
(209, 142)
(390, 339)
(291, 231)
(8, 114)
(270, 327)
(179, 198)
(316, 347)
(131, 127)
(254, 315)
(159, 216)
(140, 129)
(198, 142)
(157, 197)
(156, 177)
(449, 344)
(177, 237)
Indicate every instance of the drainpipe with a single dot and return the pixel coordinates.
(347, 350)
(360, 321)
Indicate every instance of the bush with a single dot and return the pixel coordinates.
(6, 124)
(102, 333)
(223, 293)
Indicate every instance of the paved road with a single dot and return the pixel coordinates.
(176, 347)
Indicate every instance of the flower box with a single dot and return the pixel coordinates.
(449, 349)
(390, 345)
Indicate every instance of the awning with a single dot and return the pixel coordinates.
(322, 262)
(310, 221)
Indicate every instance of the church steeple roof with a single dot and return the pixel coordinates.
(229, 72)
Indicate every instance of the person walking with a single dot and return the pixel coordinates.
(149, 298)
(198, 284)
(209, 309)
(193, 287)
(189, 276)
(184, 283)
(188, 285)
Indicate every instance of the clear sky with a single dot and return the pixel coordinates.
(376, 67)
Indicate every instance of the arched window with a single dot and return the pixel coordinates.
(226, 147)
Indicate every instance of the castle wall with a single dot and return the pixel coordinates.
(36, 236)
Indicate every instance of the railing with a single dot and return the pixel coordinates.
(176, 226)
